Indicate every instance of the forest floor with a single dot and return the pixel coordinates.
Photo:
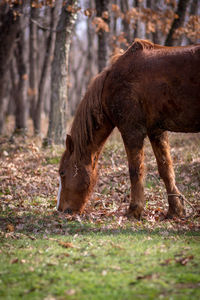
(100, 254)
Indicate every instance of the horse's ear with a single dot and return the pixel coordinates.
(137, 45)
(69, 144)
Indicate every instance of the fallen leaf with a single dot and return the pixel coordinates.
(14, 261)
(71, 292)
(23, 261)
(117, 246)
(88, 12)
(166, 262)
(66, 244)
(184, 260)
(10, 227)
(20, 227)
(148, 276)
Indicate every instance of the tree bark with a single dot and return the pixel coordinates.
(157, 36)
(22, 90)
(140, 27)
(178, 22)
(3, 105)
(126, 26)
(59, 74)
(46, 66)
(194, 7)
(102, 6)
(33, 74)
(10, 24)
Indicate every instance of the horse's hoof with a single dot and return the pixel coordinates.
(176, 207)
(177, 212)
(134, 212)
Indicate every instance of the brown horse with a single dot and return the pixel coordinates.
(148, 90)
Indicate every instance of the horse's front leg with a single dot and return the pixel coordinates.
(161, 148)
(135, 154)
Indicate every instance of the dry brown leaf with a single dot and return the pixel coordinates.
(184, 260)
(148, 276)
(166, 262)
(70, 292)
(105, 15)
(22, 261)
(88, 12)
(14, 261)
(66, 244)
(10, 227)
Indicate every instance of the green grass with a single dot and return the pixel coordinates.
(103, 264)
(112, 257)
(53, 160)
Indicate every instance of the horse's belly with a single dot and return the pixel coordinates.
(182, 122)
(175, 109)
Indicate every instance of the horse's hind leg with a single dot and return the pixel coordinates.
(161, 150)
(135, 154)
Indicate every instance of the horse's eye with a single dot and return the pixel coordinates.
(62, 173)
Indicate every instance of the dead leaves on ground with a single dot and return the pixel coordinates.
(29, 184)
(180, 259)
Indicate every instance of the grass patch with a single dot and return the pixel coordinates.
(52, 160)
(101, 254)
(101, 264)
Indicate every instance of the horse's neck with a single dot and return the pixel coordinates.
(100, 136)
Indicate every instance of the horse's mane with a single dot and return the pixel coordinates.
(145, 44)
(89, 114)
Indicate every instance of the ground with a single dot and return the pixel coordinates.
(100, 254)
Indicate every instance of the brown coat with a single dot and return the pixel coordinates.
(147, 91)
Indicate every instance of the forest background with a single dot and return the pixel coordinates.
(43, 79)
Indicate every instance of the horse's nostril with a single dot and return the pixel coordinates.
(68, 211)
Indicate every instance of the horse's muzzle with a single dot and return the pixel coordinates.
(68, 211)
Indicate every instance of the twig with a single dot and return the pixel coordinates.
(46, 28)
(185, 200)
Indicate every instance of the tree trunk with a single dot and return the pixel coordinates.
(178, 22)
(157, 36)
(102, 6)
(126, 26)
(33, 74)
(140, 27)
(3, 106)
(59, 74)
(194, 7)
(46, 66)
(21, 96)
(9, 29)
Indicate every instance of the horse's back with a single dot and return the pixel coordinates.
(156, 86)
(172, 89)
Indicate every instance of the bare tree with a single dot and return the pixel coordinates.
(126, 26)
(102, 8)
(22, 88)
(10, 24)
(46, 66)
(33, 75)
(59, 74)
(194, 7)
(178, 22)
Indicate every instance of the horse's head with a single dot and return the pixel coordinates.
(76, 181)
